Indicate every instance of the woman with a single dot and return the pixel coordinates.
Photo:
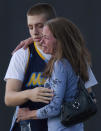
(63, 40)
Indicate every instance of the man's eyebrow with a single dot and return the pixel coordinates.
(35, 24)
(39, 24)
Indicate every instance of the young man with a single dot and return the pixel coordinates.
(25, 70)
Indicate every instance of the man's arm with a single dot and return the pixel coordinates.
(13, 95)
(92, 82)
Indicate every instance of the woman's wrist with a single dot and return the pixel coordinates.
(33, 114)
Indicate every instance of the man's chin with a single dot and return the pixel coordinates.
(37, 40)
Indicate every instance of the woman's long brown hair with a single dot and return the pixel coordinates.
(70, 45)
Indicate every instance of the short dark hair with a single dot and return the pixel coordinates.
(42, 8)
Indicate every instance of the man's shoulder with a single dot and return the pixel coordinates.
(17, 65)
(21, 53)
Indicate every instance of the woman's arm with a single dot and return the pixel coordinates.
(59, 79)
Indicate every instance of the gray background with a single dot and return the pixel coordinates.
(13, 29)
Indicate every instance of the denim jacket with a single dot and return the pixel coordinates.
(63, 81)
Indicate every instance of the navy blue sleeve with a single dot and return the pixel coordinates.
(58, 84)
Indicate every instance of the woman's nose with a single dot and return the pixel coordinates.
(42, 40)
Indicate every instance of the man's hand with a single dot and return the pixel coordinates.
(14, 96)
(23, 44)
(40, 94)
(25, 114)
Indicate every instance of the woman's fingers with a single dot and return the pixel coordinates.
(23, 114)
(26, 115)
(20, 118)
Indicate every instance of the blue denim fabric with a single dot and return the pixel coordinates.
(25, 125)
(64, 83)
(14, 118)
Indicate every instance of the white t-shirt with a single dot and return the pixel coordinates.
(18, 62)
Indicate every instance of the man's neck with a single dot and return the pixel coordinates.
(38, 45)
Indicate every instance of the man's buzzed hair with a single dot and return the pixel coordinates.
(42, 8)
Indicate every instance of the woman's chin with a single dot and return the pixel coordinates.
(46, 52)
